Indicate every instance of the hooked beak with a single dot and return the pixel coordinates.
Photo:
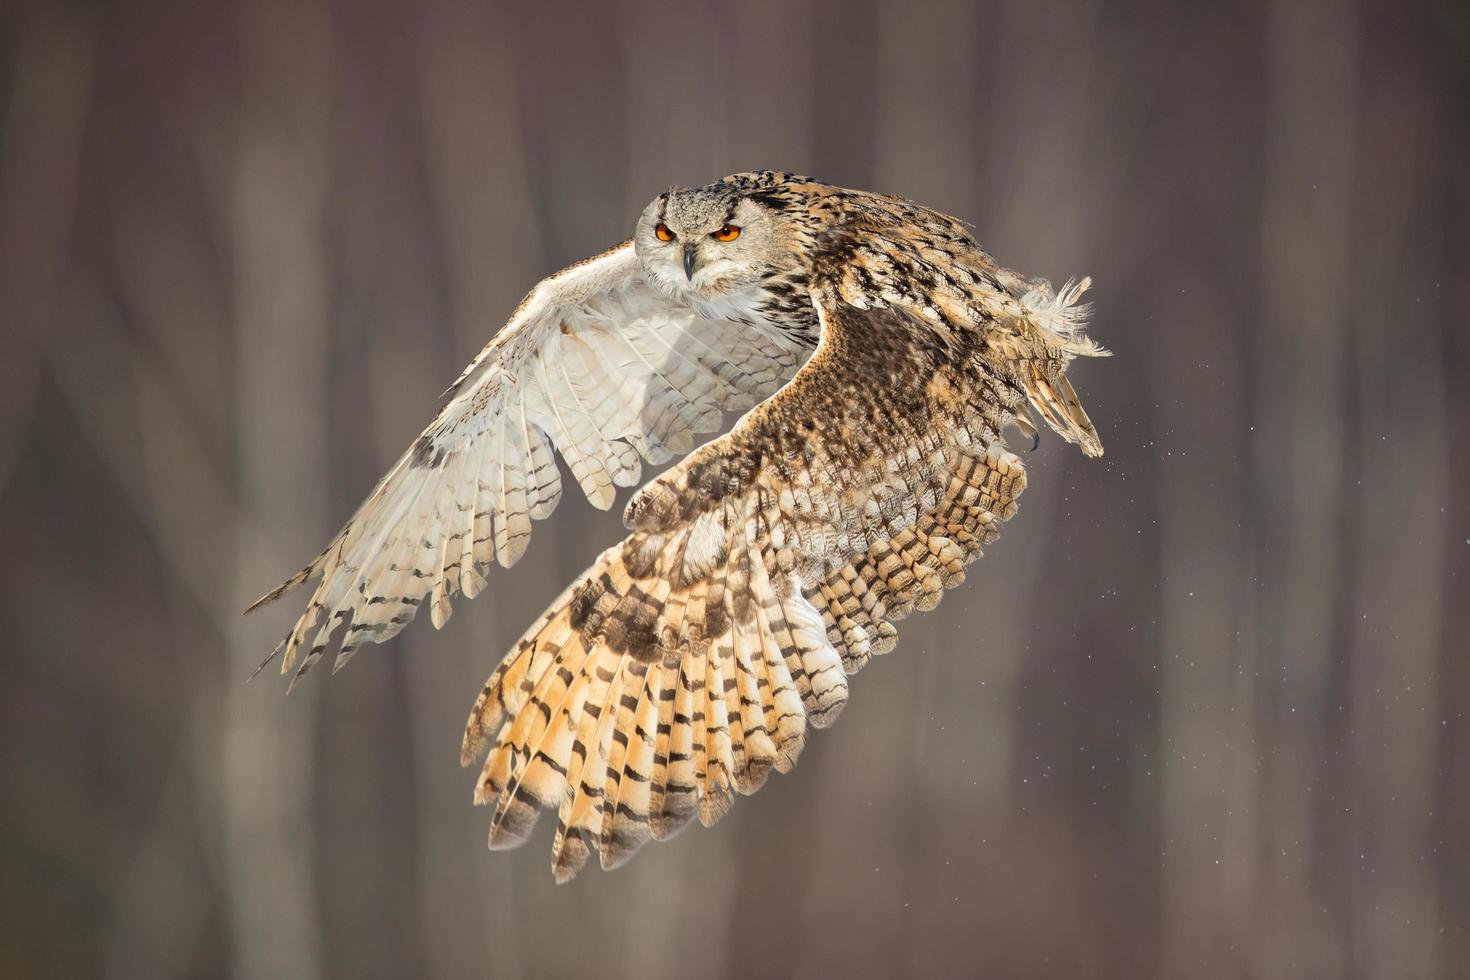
(689, 260)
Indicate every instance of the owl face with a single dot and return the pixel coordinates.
(706, 241)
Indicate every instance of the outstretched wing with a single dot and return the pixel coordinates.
(596, 365)
(687, 663)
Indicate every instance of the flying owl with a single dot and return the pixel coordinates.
(877, 352)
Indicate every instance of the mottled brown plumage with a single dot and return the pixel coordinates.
(687, 662)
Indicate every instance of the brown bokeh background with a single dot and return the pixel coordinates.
(1203, 711)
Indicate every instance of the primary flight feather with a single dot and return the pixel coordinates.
(880, 352)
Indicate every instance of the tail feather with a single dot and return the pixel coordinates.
(1047, 329)
(1055, 398)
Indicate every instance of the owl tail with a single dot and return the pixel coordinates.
(1056, 400)
(1061, 318)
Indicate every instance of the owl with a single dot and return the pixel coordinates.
(879, 356)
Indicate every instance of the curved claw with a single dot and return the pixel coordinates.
(1026, 426)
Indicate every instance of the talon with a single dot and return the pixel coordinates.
(1023, 422)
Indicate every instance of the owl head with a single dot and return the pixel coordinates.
(700, 243)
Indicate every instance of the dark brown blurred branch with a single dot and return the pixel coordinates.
(48, 101)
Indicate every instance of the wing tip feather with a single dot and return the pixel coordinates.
(287, 586)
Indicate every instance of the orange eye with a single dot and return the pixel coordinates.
(726, 233)
(663, 233)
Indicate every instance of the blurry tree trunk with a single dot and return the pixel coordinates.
(477, 184)
(1302, 366)
(1202, 423)
(1401, 453)
(281, 321)
(45, 115)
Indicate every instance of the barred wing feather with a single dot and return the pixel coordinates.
(595, 365)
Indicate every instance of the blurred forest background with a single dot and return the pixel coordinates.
(1204, 711)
